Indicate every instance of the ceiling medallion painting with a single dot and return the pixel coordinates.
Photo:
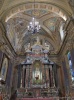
(36, 13)
(52, 23)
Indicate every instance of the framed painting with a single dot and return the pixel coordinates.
(4, 67)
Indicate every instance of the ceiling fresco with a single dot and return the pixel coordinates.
(17, 14)
(18, 34)
(37, 13)
(15, 32)
(51, 23)
(1, 3)
(19, 24)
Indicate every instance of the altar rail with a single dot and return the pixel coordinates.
(51, 98)
(40, 98)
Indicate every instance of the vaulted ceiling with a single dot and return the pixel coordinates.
(16, 15)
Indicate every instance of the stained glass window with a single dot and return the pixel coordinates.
(71, 66)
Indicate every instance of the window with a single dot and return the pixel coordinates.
(62, 32)
(71, 66)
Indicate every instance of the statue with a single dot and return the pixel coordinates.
(38, 41)
(37, 72)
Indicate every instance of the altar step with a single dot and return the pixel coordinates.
(51, 98)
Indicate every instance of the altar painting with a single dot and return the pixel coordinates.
(37, 73)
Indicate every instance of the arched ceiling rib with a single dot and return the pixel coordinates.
(60, 3)
(30, 6)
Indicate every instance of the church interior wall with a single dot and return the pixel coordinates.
(68, 46)
(65, 84)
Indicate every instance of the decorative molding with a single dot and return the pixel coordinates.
(27, 6)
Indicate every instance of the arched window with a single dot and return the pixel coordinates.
(62, 31)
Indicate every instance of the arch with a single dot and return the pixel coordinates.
(26, 6)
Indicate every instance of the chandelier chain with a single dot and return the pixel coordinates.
(34, 26)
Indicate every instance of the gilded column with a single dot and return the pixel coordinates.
(45, 74)
(29, 76)
(19, 76)
(51, 77)
(23, 76)
(26, 82)
(55, 75)
(21, 85)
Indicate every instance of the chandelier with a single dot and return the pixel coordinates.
(34, 25)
